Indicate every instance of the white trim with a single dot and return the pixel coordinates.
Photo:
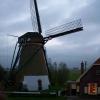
(98, 90)
(85, 90)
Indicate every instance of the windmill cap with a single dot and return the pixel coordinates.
(31, 34)
(34, 36)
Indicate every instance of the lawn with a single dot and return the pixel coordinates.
(36, 98)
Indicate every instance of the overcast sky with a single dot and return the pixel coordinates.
(72, 49)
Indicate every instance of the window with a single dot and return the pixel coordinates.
(92, 88)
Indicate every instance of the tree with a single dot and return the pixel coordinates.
(2, 73)
(63, 73)
(58, 73)
(52, 71)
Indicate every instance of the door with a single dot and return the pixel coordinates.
(39, 85)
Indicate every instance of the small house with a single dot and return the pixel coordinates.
(89, 82)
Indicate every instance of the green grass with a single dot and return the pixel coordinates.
(73, 75)
(36, 98)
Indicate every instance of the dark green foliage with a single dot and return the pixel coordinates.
(63, 73)
(2, 73)
(58, 73)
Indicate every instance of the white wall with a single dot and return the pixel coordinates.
(32, 82)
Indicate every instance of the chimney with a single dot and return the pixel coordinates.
(82, 67)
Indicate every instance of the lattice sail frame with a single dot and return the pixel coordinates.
(76, 24)
(33, 16)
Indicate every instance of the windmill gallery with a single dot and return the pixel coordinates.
(29, 61)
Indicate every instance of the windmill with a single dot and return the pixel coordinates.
(29, 58)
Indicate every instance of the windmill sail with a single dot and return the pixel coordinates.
(35, 16)
(65, 29)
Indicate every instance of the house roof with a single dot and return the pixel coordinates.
(97, 62)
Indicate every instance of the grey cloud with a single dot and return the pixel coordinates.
(85, 44)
